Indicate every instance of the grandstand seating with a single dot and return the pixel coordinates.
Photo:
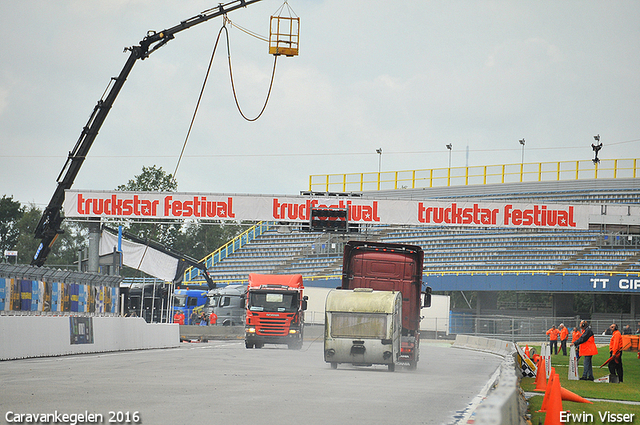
(462, 249)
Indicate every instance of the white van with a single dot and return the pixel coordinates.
(363, 327)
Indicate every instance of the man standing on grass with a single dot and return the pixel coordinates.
(553, 339)
(588, 349)
(615, 351)
(564, 335)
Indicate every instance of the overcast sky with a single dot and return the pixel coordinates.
(407, 77)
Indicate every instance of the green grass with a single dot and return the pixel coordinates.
(629, 390)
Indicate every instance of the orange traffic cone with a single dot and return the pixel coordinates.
(526, 350)
(541, 376)
(554, 406)
(547, 391)
(571, 396)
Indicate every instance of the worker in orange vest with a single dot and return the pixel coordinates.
(574, 337)
(178, 317)
(615, 351)
(588, 349)
(553, 338)
(564, 335)
(213, 319)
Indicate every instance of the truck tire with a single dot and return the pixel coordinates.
(413, 364)
(392, 367)
(247, 344)
(334, 365)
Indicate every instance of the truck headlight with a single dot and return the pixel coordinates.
(293, 331)
(250, 330)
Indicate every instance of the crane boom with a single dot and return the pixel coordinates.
(49, 226)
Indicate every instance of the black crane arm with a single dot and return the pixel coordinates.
(50, 223)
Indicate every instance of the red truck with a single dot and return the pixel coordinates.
(275, 310)
(391, 267)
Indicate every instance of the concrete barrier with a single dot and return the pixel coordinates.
(41, 336)
(495, 346)
(504, 403)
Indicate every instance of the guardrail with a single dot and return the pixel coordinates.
(227, 249)
(475, 175)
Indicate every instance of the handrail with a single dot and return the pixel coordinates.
(475, 175)
(227, 249)
(471, 273)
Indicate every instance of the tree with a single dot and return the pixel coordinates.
(65, 250)
(152, 179)
(27, 244)
(10, 213)
(199, 239)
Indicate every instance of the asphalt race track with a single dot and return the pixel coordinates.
(222, 382)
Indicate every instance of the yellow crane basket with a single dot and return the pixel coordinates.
(284, 35)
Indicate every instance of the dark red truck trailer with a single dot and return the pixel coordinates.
(391, 267)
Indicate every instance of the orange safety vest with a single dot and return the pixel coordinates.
(588, 348)
(615, 344)
(575, 335)
(553, 334)
(564, 333)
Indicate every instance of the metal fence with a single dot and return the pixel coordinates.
(508, 328)
(475, 175)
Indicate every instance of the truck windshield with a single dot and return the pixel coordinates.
(179, 300)
(270, 301)
(358, 325)
(212, 301)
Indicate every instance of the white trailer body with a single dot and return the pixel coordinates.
(363, 327)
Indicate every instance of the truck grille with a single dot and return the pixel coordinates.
(272, 326)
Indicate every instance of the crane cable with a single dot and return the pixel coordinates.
(195, 111)
(204, 84)
(233, 87)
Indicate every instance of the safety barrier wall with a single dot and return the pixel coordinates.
(41, 336)
(503, 405)
(32, 289)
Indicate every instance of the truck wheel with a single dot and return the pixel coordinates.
(413, 365)
(247, 344)
(392, 367)
(334, 365)
(258, 344)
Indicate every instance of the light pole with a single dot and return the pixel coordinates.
(596, 148)
(449, 146)
(522, 143)
(379, 152)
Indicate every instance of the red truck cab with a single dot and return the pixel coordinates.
(275, 308)
(391, 267)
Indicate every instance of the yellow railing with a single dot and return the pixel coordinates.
(475, 175)
(191, 274)
(427, 274)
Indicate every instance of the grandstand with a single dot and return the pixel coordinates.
(603, 248)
